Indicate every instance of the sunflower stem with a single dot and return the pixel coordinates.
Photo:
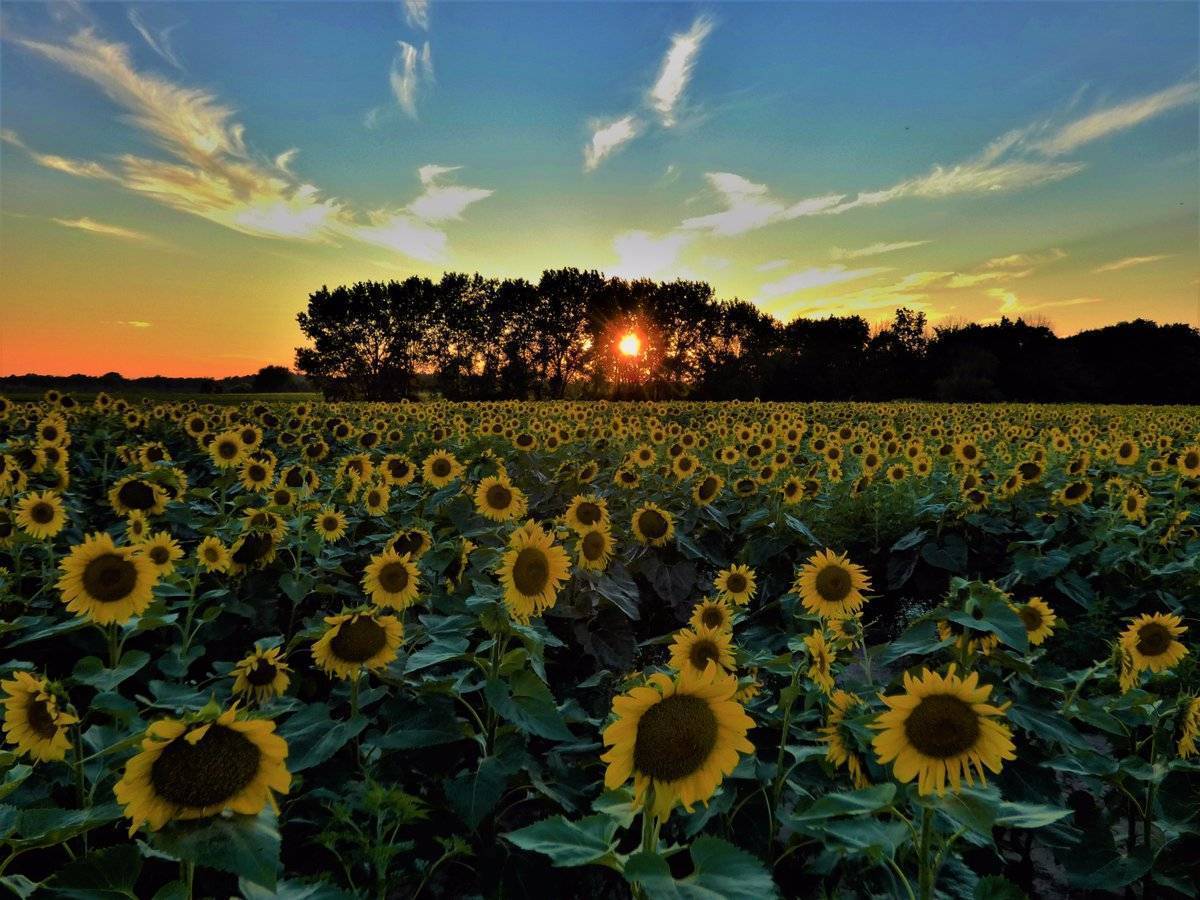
(927, 868)
(777, 787)
(112, 633)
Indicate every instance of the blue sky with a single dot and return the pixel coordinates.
(168, 166)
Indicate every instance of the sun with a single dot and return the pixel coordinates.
(630, 345)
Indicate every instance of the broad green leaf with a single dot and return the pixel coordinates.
(91, 671)
(848, 803)
(246, 846)
(528, 704)
(720, 871)
(568, 843)
(313, 736)
(112, 872)
(473, 795)
(56, 825)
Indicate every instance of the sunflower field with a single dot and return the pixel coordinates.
(565, 649)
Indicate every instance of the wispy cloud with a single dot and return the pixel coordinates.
(676, 69)
(158, 40)
(1128, 262)
(875, 249)
(443, 202)
(411, 69)
(1025, 260)
(103, 228)
(608, 138)
(1114, 119)
(872, 302)
(1012, 305)
(748, 206)
(772, 264)
(416, 13)
(813, 277)
(77, 167)
(135, 323)
(641, 254)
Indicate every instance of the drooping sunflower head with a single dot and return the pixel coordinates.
(532, 570)
(193, 770)
(712, 613)
(839, 742)
(831, 586)
(357, 641)
(391, 580)
(1150, 641)
(1074, 493)
(261, 675)
(677, 738)
(706, 488)
(33, 720)
(652, 525)
(253, 550)
(941, 729)
(414, 542)
(736, 583)
(695, 649)
(106, 583)
(820, 659)
(595, 548)
(498, 499)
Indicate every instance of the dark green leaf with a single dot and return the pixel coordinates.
(247, 846)
(568, 843)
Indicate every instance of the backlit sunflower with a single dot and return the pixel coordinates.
(32, 719)
(677, 738)
(1038, 618)
(199, 769)
(586, 511)
(357, 641)
(41, 515)
(163, 551)
(820, 660)
(330, 524)
(261, 675)
(694, 648)
(838, 740)
(1150, 641)
(391, 580)
(1189, 726)
(595, 548)
(212, 554)
(829, 585)
(106, 583)
(532, 570)
(940, 729)
(440, 468)
(712, 613)
(496, 498)
(653, 525)
(736, 583)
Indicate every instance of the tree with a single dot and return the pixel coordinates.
(273, 380)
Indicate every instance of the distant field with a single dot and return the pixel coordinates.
(22, 396)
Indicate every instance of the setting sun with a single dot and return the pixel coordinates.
(631, 345)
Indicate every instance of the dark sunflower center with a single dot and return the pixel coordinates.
(531, 571)
(942, 726)
(1030, 617)
(1074, 491)
(208, 773)
(294, 478)
(42, 513)
(227, 449)
(257, 473)
(708, 487)
(712, 617)
(329, 523)
(703, 652)
(675, 738)
(262, 673)
(1153, 639)
(159, 555)
(652, 523)
(441, 468)
(735, 583)
(588, 513)
(1191, 460)
(593, 545)
(136, 495)
(398, 468)
(358, 640)
(833, 584)
(254, 546)
(40, 719)
(110, 577)
(393, 577)
(1029, 471)
(408, 543)
(498, 497)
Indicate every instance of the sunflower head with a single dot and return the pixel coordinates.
(356, 641)
(695, 649)
(586, 511)
(1150, 641)
(830, 585)
(392, 580)
(713, 614)
(736, 583)
(33, 720)
(532, 570)
(595, 548)
(496, 498)
(106, 583)
(261, 675)
(653, 525)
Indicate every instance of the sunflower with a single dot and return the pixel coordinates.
(32, 719)
(357, 641)
(1074, 493)
(694, 648)
(496, 498)
(837, 739)
(453, 575)
(440, 468)
(375, 499)
(106, 583)
(1133, 506)
(253, 550)
(414, 542)
(261, 675)
(257, 475)
(940, 728)
(162, 550)
(677, 738)
(1038, 618)
(1189, 728)
(397, 470)
(330, 524)
(585, 512)
(532, 570)
(736, 583)
(1150, 642)
(391, 580)
(595, 548)
(706, 488)
(847, 631)
(1126, 453)
(136, 494)
(653, 525)
(137, 527)
(830, 585)
(226, 450)
(199, 769)
(212, 554)
(1188, 461)
(713, 614)
(41, 515)
(820, 656)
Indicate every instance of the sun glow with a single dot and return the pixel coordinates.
(630, 345)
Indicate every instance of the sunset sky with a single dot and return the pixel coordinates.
(176, 178)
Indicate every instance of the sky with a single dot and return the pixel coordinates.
(176, 178)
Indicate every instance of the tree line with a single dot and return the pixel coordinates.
(470, 337)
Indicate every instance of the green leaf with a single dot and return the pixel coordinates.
(246, 846)
(476, 794)
(1043, 724)
(436, 652)
(1029, 815)
(422, 728)
(921, 639)
(1117, 872)
(720, 871)
(997, 887)
(54, 825)
(848, 803)
(91, 671)
(14, 778)
(313, 737)
(949, 554)
(910, 540)
(568, 843)
(618, 588)
(529, 705)
(293, 890)
(865, 835)
(112, 872)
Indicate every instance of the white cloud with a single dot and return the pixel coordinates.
(874, 249)
(813, 277)
(641, 254)
(676, 69)
(1104, 122)
(159, 41)
(1012, 305)
(772, 265)
(136, 323)
(1118, 264)
(411, 69)
(102, 228)
(442, 202)
(1025, 260)
(402, 233)
(608, 138)
(416, 13)
(748, 206)
(911, 291)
